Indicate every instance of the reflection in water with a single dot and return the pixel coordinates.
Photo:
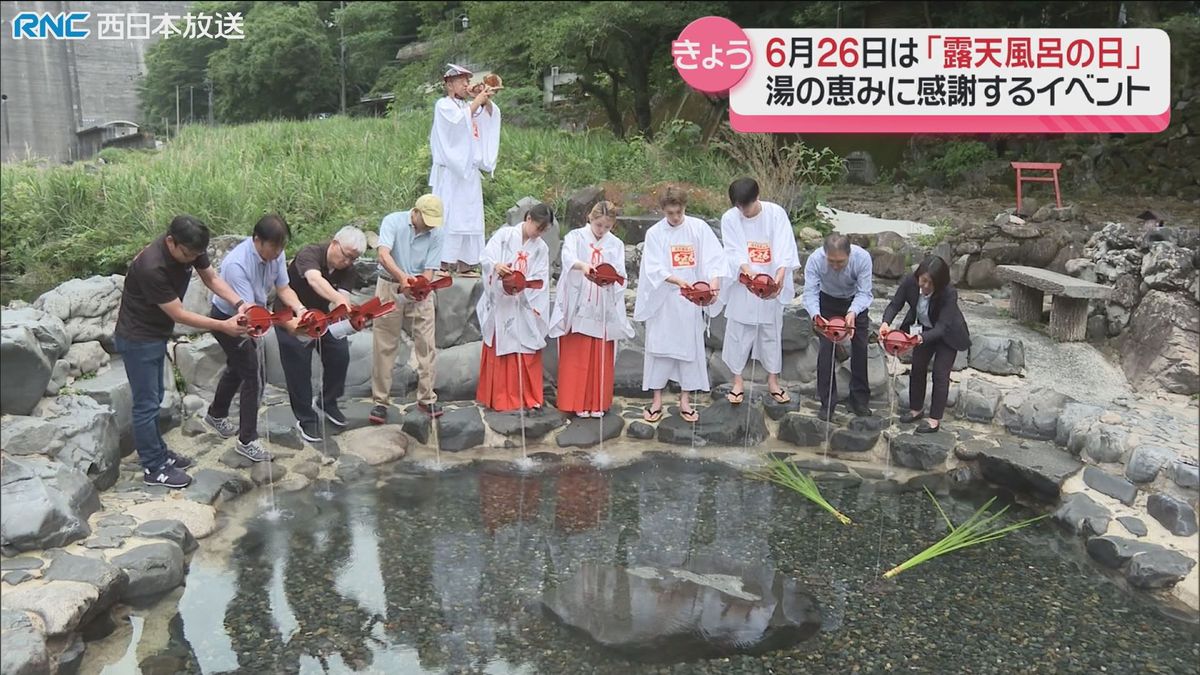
(452, 572)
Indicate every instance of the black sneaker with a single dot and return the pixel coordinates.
(825, 414)
(432, 409)
(333, 414)
(860, 410)
(309, 432)
(167, 476)
(379, 415)
(178, 461)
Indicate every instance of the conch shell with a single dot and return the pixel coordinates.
(490, 80)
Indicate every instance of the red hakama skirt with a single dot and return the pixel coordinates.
(503, 378)
(582, 360)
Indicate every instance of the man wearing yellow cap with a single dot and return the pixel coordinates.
(410, 244)
(463, 142)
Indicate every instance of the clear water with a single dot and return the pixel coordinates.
(443, 572)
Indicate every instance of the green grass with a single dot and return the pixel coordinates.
(90, 218)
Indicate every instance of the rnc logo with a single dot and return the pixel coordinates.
(39, 26)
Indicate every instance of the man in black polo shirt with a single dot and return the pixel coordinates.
(322, 275)
(151, 305)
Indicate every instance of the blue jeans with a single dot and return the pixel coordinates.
(144, 370)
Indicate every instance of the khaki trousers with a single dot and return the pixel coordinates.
(418, 319)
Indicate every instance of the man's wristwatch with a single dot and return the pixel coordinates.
(239, 304)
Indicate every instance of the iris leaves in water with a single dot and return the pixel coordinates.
(791, 477)
(980, 528)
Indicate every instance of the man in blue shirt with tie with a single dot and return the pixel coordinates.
(837, 282)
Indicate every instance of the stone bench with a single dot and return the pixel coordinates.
(1069, 308)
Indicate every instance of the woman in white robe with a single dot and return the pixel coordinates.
(588, 318)
(680, 250)
(514, 327)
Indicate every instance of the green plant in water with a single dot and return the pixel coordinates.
(790, 476)
(980, 528)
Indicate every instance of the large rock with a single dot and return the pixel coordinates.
(580, 203)
(804, 430)
(457, 377)
(61, 604)
(456, 321)
(1116, 552)
(152, 569)
(585, 433)
(536, 423)
(1146, 461)
(24, 640)
(860, 435)
(209, 484)
(91, 439)
(1099, 442)
(49, 330)
(1160, 568)
(923, 451)
(85, 358)
(46, 504)
(200, 519)
(1074, 414)
(1033, 413)
(1039, 469)
(1173, 513)
(200, 362)
(171, 530)
(888, 264)
(661, 614)
(1112, 486)
(110, 581)
(797, 328)
(1161, 348)
(982, 274)
(111, 390)
(1166, 267)
(24, 435)
(26, 370)
(627, 373)
(721, 423)
(1080, 514)
(460, 429)
(87, 307)
(978, 401)
(1185, 472)
(376, 445)
(997, 355)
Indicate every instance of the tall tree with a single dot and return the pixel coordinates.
(284, 68)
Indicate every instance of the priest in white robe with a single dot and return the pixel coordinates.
(514, 327)
(460, 153)
(680, 250)
(589, 318)
(758, 240)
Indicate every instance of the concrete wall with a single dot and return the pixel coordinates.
(53, 88)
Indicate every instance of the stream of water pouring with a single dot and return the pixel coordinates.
(327, 493)
(273, 512)
(893, 367)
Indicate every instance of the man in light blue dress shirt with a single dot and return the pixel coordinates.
(410, 245)
(837, 282)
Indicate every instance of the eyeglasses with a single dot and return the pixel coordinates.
(347, 256)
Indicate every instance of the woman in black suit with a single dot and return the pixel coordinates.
(934, 316)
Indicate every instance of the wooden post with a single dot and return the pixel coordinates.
(1068, 318)
(1026, 303)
